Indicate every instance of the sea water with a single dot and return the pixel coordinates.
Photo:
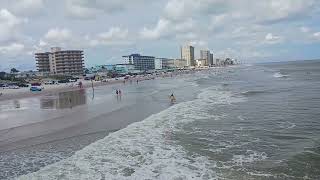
(242, 122)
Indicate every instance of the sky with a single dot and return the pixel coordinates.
(249, 30)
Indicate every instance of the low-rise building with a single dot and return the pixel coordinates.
(124, 68)
(201, 62)
(167, 63)
(158, 63)
(141, 63)
(180, 63)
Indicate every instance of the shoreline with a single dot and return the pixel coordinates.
(13, 94)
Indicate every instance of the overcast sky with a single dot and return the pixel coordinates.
(251, 30)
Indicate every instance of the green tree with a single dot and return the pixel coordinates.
(14, 70)
(2, 75)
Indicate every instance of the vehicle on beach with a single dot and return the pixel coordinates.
(36, 84)
(11, 87)
(35, 88)
(64, 81)
(22, 85)
(50, 82)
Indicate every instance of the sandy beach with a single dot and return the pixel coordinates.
(8, 94)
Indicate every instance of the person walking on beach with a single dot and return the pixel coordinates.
(137, 81)
(117, 92)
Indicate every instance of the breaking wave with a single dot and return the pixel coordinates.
(144, 150)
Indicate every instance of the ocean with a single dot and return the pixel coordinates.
(257, 121)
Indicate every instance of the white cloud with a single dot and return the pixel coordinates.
(28, 7)
(115, 36)
(272, 39)
(57, 35)
(9, 25)
(160, 30)
(166, 28)
(87, 9)
(12, 49)
(316, 35)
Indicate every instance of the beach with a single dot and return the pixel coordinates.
(8, 94)
(241, 122)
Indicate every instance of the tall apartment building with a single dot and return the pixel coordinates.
(141, 63)
(187, 53)
(60, 62)
(211, 60)
(205, 54)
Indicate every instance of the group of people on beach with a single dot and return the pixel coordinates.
(118, 92)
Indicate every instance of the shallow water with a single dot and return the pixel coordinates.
(244, 122)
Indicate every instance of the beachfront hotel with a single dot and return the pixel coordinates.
(141, 63)
(60, 62)
(205, 55)
(187, 53)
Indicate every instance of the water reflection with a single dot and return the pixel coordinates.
(64, 100)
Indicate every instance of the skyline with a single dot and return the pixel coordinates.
(254, 32)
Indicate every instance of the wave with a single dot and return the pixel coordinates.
(144, 150)
(249, 93)
(280, 75)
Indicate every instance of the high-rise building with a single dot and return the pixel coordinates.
(205, 54)
(187, 53)
(61, 62)
(42, 61)
(211, 60)
(141, 63)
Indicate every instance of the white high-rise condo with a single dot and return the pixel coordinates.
(187, 53)
(205, 55)
(61, 62)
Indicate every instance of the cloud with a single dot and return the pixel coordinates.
(272, 39)
(58, 35)
(166, 28)
(9, 25)
(12, 49)
(28, 7)
(115, 36)
(55, 37)
(316, 35)
(160, 30)
(88, 9)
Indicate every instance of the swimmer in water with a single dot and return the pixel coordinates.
(172, 98)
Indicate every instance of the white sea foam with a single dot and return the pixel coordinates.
(279, 75)
(143, 150)
(249, 157)
(287, 125)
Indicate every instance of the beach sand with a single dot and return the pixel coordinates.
(8, 94)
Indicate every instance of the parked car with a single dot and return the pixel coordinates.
(35, 88)
(63, 81)
(22, 85)
(36, 84)
(13, 87)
